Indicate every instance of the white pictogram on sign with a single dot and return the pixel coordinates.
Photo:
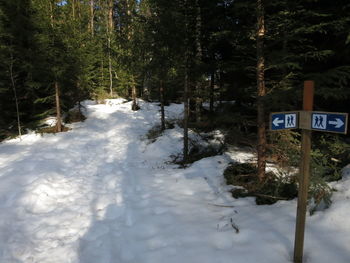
(319, 121)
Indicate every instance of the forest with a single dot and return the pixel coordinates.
(227, 64)
(56, 54)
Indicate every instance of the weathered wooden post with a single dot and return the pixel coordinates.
(307, 120)
(304, 175)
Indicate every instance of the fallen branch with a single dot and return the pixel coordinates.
(228, 206)
(234, 226)
(269, 196)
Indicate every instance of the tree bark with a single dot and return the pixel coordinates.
(51, 13)
(211, 92)
(198, 62)
(186, 113)
(185, 96)
(110, 15)
(102, 70)
(261, 91)
(161, 92)
(92, 17)
(110, 67)
(134, 105)
(58, 108)
(109, 40)
(73, 9)
(129, 11)
(15, 96)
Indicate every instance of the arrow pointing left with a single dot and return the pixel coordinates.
(277, 122)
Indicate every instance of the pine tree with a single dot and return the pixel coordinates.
(260, 75)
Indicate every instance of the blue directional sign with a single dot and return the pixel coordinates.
(329, 121)
(284, 120)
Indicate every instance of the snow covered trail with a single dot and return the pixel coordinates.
(99, 194)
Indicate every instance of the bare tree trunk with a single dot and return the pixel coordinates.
(198, 62)
(128, 12)
(79, 9)
(211, 92)
(92, 17)
(134, 105)
(285, 50)
(110, 67)
(186, 112)
(185, 96)
(130, 33)
(73, 9)
(15, 96)
(57, 91)
(161, 92)
(145, 92)
(102, 70)
(221, 87)
(110, 27)
(51, 13)
(110, 15)
(261, 92)
(58, 108)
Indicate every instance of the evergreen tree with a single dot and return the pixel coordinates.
(17, 50)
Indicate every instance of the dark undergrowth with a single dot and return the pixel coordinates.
(156, 131)
(272, 189)
(52, 129)
(197, 153)
(74, 116)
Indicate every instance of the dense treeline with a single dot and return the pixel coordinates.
(55, 51)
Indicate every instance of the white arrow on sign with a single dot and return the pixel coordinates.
(338, 123)
(277, 121)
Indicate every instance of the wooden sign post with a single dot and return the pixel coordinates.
(306, 120)
(304, 176)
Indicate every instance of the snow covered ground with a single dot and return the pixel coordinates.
(101, 194)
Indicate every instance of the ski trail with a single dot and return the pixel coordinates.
(93, 195)
(100, 194)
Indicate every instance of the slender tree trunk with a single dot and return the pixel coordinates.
(134, 105)
(15, 96)
(57, 91)
(110, 66)
(51, 13)
(79, 108)
(78, 4)
(128, 12)
(58, 108)
(285, 49)
(145, 93)
(261, 92)
(161, 92)
(221, 86)
(129, 9)
(73, 9)
(102, 71)
(211, 92)
(110, 26)
(92, 18)
(110, 15)
(198, 62)
(186, 113)
(185, 96)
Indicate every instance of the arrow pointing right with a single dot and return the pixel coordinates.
(338, 123)
(277, 122)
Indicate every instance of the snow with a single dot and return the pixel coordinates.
(102, 193)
